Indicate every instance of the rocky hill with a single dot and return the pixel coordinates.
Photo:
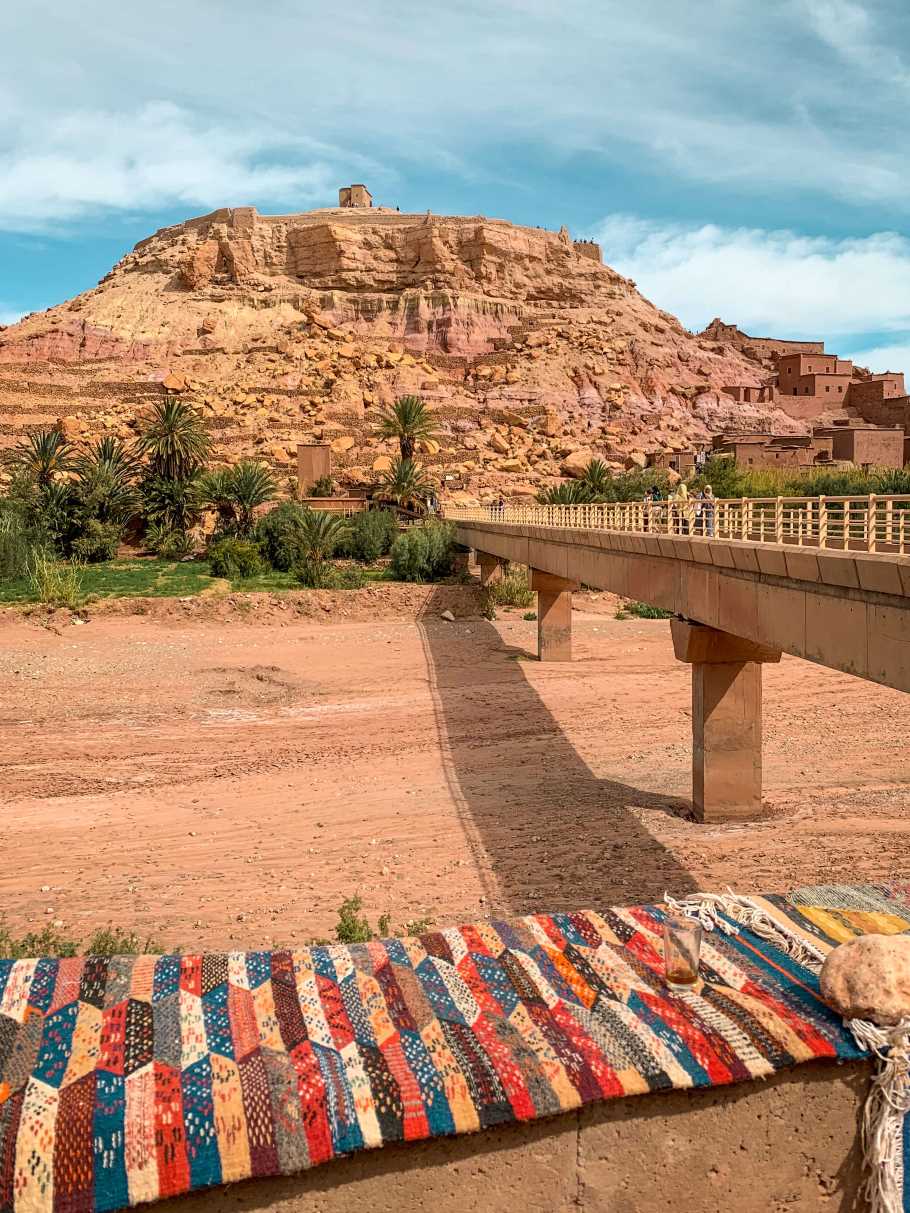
(294, 328)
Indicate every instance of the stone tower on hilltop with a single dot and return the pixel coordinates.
(354, 195)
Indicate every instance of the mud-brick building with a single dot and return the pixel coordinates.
(865, 445)
(817, 375)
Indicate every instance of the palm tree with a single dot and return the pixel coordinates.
(404, 483)
(106, 473)
(321, 533)
(409, 421)
(250, 484)
(175, 440)
(41, 456)
(570, 492)
(215, 493)
(597, 477)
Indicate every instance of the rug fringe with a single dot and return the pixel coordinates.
(707, 908)
(888, 1101)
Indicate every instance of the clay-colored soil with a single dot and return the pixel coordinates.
(226, 782)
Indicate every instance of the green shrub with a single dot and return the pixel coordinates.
(529, 616)
(170, 543)
(98, 542)
(372, 534)
(424, 553)
(280, 535)
(234, 558)
(513, 589)
(108, 941)
(55, 582)
(16, 542)
(316, 574)
(642, 610)
(352, 926)
(324, 487)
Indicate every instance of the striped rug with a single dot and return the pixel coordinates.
(131, 1079)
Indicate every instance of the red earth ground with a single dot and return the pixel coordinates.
(225, 780)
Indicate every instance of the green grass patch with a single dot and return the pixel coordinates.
(126, 579)
(156, 578)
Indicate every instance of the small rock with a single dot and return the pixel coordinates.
(869, 978)
(448, 616)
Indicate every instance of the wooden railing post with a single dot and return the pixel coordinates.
(870, 522)
(778, 520)
(822, 522)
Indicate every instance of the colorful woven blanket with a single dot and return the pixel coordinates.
(130, 1079)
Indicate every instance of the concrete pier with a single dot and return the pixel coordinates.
(554, 615)
(726, 719)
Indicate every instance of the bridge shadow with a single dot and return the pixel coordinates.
(554, 834)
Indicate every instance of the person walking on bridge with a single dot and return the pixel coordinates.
(709, 505)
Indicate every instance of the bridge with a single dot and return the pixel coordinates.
(826, 579)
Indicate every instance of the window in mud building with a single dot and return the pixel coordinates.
(840, 387)
(827, 389)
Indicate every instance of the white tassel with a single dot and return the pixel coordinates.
(888, 1101)
(706, 908)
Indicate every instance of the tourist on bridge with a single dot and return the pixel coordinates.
(708, 506)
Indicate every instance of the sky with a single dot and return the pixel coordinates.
(747, 160)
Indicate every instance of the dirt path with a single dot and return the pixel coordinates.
(228, 783)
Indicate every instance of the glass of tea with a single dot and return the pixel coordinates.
(682, 944)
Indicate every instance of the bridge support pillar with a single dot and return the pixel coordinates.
(554, 615)
(726, 719)
(491, 568)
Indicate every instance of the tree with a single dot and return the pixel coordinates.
(409, 421)
(405, 484)
(215, 492)
(174, 441)
(570, 492)
(105, 481)
(321, 532)
(597, 477)
(41, 456)
(250, 484)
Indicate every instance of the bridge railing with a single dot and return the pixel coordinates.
(870, 524)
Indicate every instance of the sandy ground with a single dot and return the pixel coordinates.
(226, 783)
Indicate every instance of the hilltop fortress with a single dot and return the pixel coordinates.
(292, 329)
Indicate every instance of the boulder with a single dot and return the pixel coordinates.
(429, 446)
(636, 459)
(383, 463)
(341, 444)
(869, 978)
(500, 444)
(576, 462)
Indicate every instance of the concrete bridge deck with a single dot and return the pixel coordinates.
(738, 603)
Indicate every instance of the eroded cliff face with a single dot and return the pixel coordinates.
(293, 328)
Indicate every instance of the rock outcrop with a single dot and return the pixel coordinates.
(295, 328)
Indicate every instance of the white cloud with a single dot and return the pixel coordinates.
(92, 162)
(879, 358)
(768, 282)
(805, 98)
(9, 317)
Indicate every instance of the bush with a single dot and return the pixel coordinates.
(280, 535)
(15, 545)
(513, 589)
(234, 558)
(372, 534)
(169, 543)
(317, 574)
(56, 582)
(324, 487)
(424, 553)
(642, 610)
(98, 542)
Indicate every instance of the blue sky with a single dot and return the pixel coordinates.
(742, 159)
